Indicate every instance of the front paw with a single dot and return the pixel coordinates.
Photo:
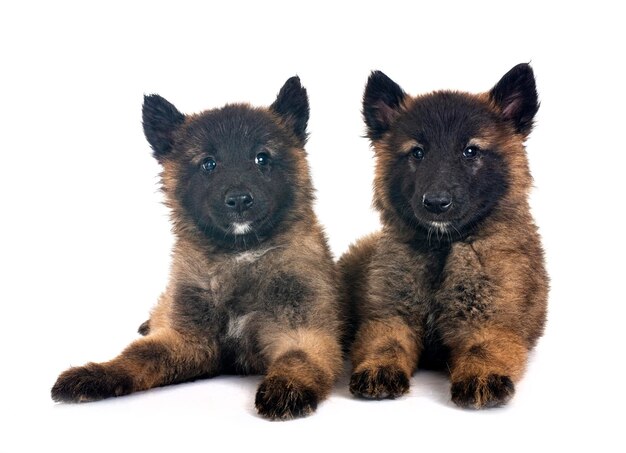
(483, 392)
(91, 382)
(383, 382)
(280, 398)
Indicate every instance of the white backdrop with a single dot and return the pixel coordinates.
(84, 240)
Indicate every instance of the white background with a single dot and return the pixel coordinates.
(84, 240)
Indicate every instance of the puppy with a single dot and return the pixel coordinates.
(252, 287)
(455, 279)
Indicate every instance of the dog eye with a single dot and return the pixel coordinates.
(470, 152)
(417, 152)
(262, 159)
(209, 164)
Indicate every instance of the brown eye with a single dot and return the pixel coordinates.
(262, 159)
(471, 152)
(208, 164)
(417, 152)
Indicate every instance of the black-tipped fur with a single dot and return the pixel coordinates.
(292, 104)
(144, 328)
(456, 277)
(381, 102)
(385, 382)
(253, 286)
(279, 398)
(516, 95)
(91, 382)
(160, 119)
(478, 393)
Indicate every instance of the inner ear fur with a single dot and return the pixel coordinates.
(516, 96)
(160, 119)
(292, 105)
(382, 103)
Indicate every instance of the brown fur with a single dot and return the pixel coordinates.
(265, 307)
(474, 305)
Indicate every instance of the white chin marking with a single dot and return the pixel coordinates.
(442, 227)
(242, 228)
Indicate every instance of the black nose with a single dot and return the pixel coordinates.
(239, 200)
(437, 202)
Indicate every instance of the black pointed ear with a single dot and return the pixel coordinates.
(382, 102)
(292, 104)
(160, 120)
(516, 95)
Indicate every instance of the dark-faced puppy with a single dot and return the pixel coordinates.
(252, 287)
(456, 277)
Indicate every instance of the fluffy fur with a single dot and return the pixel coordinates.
(455, 279)
(253, 286)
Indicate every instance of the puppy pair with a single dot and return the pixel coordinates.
(455, 276)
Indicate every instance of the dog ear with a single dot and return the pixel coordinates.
(382, 102)
(516, 96)
(292, 104)
(160, 120)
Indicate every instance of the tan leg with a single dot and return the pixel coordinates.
(303, 366)
(158, 359)
(485, 367)
(384, 356)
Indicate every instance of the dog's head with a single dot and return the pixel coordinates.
(446, 160)
(237, 173)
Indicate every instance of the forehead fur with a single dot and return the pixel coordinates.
(231, 128)
(437, 117)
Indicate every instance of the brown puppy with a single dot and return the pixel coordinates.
(252, 287)
(456, 277)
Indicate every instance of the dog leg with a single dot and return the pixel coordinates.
(152, 361)
(384, 356)
(483, 324)
(485, 367)
(303, 366)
